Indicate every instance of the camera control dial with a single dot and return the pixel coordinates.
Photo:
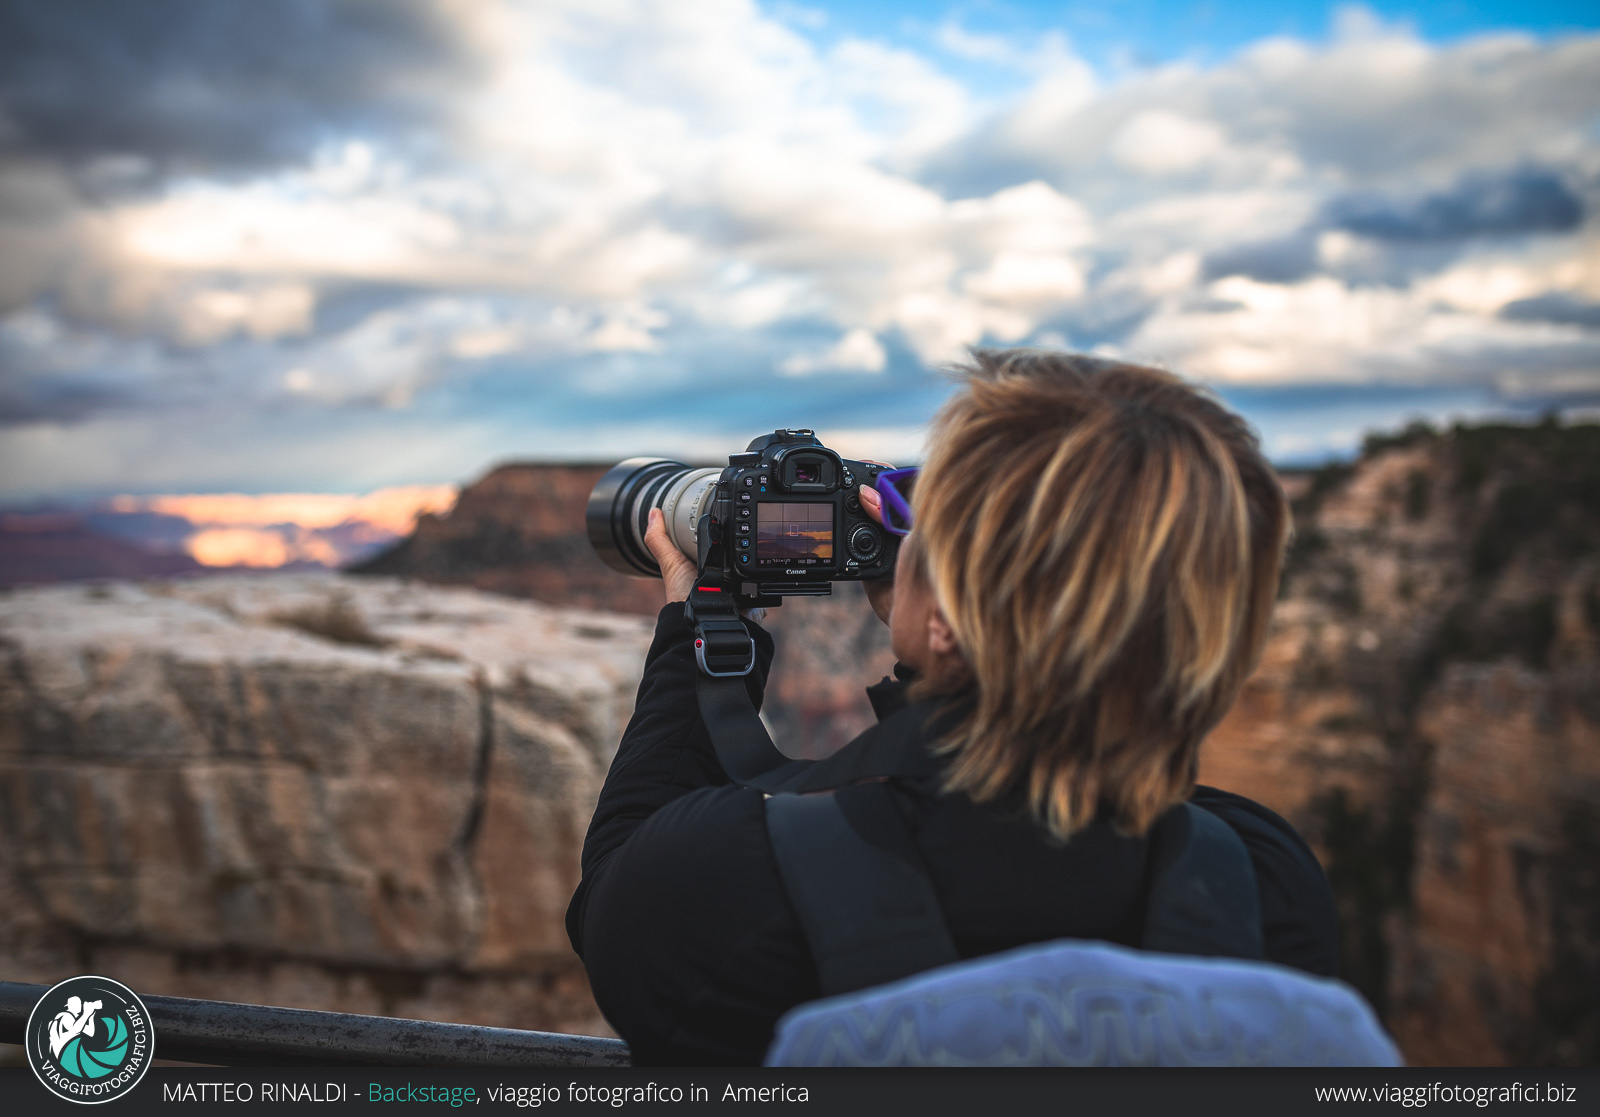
(864, 543)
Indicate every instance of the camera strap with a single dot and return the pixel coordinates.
(726, 655)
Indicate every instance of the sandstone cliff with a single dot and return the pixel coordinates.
(1428, 713)
(306, 790)
(519, 530)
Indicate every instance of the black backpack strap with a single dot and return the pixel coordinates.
(862, 892)
(1203, 897)
(870, 915)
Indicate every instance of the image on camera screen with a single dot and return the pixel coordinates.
(793, 534)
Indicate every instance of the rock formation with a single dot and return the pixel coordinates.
(519, 530)
(306, 790)
(1428, 713)
(41, 547)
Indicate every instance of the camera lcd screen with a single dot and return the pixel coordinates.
(794, 534)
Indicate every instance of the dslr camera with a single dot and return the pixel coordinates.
(782, 520)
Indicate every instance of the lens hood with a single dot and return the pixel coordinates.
(615, 502)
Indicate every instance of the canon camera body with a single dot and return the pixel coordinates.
(783, 519)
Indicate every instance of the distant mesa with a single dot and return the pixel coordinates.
(62, 547)
(519, 530)
(134, 537)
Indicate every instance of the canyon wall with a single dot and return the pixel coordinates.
(1428, 714)
(519, 530)
(306, 790)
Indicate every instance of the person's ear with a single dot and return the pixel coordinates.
(941, 637)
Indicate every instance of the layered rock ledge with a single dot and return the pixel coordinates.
(362, 795)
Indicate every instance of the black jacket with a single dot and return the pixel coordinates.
(692, 947)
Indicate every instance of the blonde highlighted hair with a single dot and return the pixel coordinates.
(1105, 542)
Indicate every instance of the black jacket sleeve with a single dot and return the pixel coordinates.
(665, 751)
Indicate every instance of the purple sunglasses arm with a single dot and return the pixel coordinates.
(892, 500)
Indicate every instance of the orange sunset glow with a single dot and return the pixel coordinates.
(274, 529)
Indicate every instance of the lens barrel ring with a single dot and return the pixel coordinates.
(615, 500)
(618, 513)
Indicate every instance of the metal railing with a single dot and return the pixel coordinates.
(221, 1033)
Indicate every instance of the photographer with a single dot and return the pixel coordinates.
(1087, 583)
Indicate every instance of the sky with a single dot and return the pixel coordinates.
(322, 246)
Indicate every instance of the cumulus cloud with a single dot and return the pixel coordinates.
(1556, 307)
(856, 351)
(328, 205)
(1282, 259)
(1324, 331)
(1522, 201)
(1161, 142)
(220, 83)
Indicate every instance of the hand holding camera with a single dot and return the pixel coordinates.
(677, 569)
